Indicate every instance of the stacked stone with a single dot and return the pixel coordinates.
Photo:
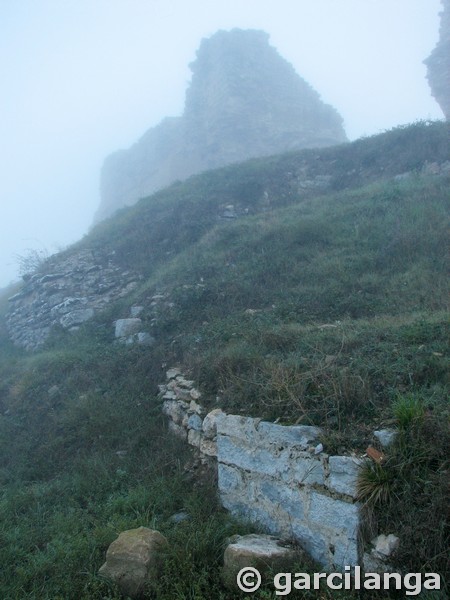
(276, 476)
(187, 418)
(80, 285)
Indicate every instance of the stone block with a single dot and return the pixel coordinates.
(239, 427)
(311, 540)
(263, 552)
(343, 474)
(230, 481)
(195, 422)
(208, 447)
(145, 339)
(174, 409)
(333, 514)
(385, 436)
(385, 545)
(172, 373)
(301, 436)
(194, 407)
(134, 560)
(246, 455)
(210, 423)
(285, 500)
(127, 327)
(194, 438)
(76, 317)
(305, 470)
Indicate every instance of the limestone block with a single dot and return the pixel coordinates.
(135, 311)
(174, 409)
(182, 393)
(210, 423)
(311, 540)
(334, 515)
(145, 339)
(245, 454)
(183, 382)
(208, 447)
(172, 373)
(195, 394)
(294, 435)
(127, 327)
(134, 560)
(194, 438)
(195, 422)
(263, 552)
(305, 470)
(338, 522)
(385, 436)
(286, 501)
(343, 475)
(239, 427)
(280, 461)
(230, 481)
(76, 317)
(194, 407)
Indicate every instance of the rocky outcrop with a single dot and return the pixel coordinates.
(438, 63)
(72, 290)
(244, 101)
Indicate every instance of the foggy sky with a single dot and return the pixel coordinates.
(83, 78)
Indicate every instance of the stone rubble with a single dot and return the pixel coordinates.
(72, 291)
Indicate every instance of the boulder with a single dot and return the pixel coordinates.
(127, 327)
(134, 560)
(385, 436)
(265, 553)
(145, 339)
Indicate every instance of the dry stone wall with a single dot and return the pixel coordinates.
(276, 476)
(70, 292)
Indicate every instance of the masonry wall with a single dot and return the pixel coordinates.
(275, 476)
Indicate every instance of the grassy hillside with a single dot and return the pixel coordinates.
(318, 305)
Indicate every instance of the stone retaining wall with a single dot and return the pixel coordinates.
(273, 475)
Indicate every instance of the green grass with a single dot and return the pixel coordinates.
(323, 307)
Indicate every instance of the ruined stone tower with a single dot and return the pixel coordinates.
(244, 101)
